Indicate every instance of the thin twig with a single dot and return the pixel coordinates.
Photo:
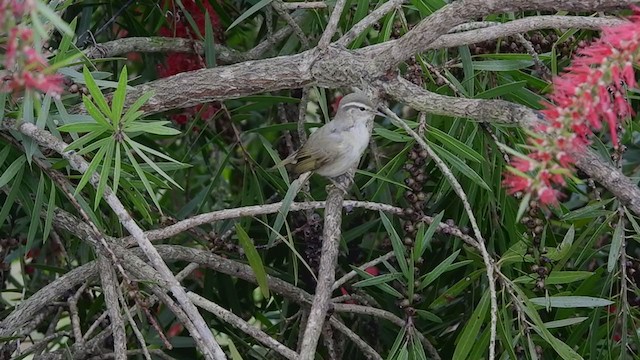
(384, 314)
(282, 11)
(237, 322)
(368, 20)
(351, 274)
(455, 185)
(332, 26)
(72, 302)
(366, 348)
(134, 326)
(304, 5)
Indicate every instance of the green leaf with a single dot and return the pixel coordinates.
(50, 15)
(616, 246)
(254, 260)
(135, 146)
(252, 10)
(43, 113)
(104, 173)
(376, 280)
(458, 147)
(423, 241)
(556, 277)
(396, 242)
(564, 350)
(151, 127)
(82, 127)
(117, 102)
(4, 153)
(3, 101)
(501, 90)
(154, 152)
(30, 145)
(143, 178)
(502, 65)
(117, 167)
(590, 211)
(209, 42)
(456, 289)
(95, 113)
(392, 135)
(382, 178)
(570, 301)
(459, 165)
(439, 270)
(564, 322)
(382, 286)
(468, 336)
(235, 354)
(428, 315)
(84, 139)
(12, 170)
(95, 145)
(51, 206)
(13, 193)
(132, 111)
(97, 159)
(276, 159)
(65, 43)
(289, 197)
(35, 214)
(96, 93)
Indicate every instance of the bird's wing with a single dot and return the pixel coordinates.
(313, 155)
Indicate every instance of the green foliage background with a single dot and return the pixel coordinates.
(164, 173)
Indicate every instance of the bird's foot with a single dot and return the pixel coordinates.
(340, 184)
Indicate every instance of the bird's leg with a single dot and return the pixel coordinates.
(339, 183)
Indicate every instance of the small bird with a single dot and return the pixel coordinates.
(337, 146)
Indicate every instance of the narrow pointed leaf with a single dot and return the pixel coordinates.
(35, 215)
(131, 113)
(254, 260)
(117, 102)
(104, 174)
(396, 242)
(97, 159)
(12, 170)
(96, 93)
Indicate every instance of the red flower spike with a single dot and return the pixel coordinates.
(590, 92)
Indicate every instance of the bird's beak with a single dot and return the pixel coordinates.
(379, 113)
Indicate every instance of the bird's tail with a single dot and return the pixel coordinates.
(288, 161)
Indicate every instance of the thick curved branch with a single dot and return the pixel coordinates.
(458, 12)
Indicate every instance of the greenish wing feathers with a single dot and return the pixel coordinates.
(309, 159)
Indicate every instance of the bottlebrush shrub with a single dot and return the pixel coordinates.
(178, 26)
(590, 92)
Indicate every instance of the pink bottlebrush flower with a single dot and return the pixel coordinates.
(46, 83)
(522, 164)
(515, 183)
(591, 92)
(548, 196)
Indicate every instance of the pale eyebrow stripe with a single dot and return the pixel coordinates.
(356, 104)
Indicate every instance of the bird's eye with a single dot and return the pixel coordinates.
(362, 109)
